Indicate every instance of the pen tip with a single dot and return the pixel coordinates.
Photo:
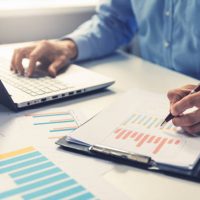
(163, 123)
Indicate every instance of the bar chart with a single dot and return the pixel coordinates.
(57, 124)
(140, 139)
(28, 174)
(141, 133)
(149, 122)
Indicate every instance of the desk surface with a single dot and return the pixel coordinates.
(129, 72)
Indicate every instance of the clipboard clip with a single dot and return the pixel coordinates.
(122, 154)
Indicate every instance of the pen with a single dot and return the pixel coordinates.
(170, 116)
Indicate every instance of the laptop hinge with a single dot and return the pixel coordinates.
(5, 98)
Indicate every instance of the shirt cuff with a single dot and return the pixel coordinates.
(82, 44)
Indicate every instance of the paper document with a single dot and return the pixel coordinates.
(132, 124)
(46, 125)
(28, 174)
(54, 123)
(31, 167)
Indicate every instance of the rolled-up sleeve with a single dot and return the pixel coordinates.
(112, 26)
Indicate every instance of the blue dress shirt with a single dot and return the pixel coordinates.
(168, 32)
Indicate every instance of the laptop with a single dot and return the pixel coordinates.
(20, 92)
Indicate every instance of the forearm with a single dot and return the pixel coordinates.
(105, 32)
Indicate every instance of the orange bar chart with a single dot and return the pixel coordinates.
(141, 139)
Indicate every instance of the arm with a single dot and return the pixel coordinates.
(113, 26)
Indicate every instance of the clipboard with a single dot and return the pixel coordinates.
(137, 161)
(115, 136)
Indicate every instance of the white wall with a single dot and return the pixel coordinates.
(30, 25)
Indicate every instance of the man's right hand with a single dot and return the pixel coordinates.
(180, 101)
(54, 54)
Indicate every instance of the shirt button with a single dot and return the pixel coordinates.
(167, 13)
(166, 44)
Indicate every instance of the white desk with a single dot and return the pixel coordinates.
(129, 72)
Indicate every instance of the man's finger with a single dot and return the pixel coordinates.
(20, 55)
(187, 119)
(34, 56)
(16, 62)
(177, 94)
(186, 103)
(12, 67)
(58, 64)
(193, 130)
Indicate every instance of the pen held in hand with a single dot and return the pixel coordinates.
(170, 116)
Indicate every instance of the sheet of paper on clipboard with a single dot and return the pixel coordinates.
(132, 124)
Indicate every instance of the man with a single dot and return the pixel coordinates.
(168, 32)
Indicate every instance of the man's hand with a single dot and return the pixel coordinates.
(54, 54)
(180, 101)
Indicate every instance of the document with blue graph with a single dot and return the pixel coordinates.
(27, 174)
(132, 124)
(31, 166)
(54, 123)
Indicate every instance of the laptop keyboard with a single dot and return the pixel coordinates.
(32, 86)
